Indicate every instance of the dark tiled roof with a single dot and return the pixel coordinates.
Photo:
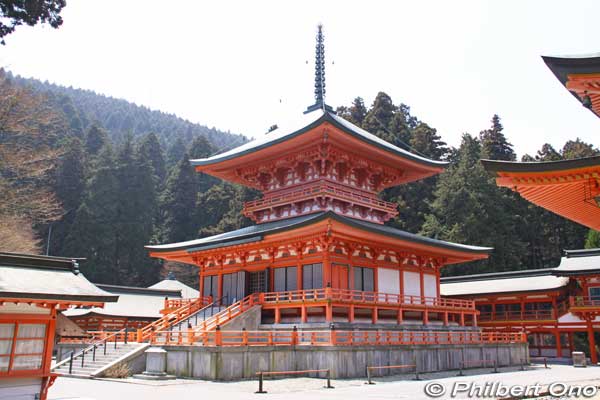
(256, 233)
(513, 166)
(310, 121)
(46, 278)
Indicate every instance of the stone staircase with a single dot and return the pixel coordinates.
(86, 364)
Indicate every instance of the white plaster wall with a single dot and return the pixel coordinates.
(430, 285)
(412, 283)
(388, 281)
(12, 308)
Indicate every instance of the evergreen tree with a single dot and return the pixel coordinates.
(69, 187)
(547, 153)
(93, 234)
(469, 208)
(380, 116)
(150, 149)
(178, 204)
(577, 149)
(175, 152)
(135, 216)
(95, 139)
(494, 145)
(201, 148)
(592, 240)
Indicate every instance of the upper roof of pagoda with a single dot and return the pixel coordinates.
(580, 74)
(319, 126)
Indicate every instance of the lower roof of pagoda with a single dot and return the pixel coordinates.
(334, 224)
(570, 188)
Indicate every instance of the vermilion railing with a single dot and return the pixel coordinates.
(229, 313)
(361, 297)
(174, 304)
(171, 318)
(527, 315)
(584, 301)
(319, 188)
(335, 338)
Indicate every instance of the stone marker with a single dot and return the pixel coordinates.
(156, 365)
(579, 359)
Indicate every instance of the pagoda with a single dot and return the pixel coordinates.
(320, 251)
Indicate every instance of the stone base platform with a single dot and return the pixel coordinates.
(243, 362)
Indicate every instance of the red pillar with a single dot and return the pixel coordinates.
(571, 342)
(592, 342)
(558, 344)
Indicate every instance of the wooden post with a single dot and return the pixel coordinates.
(592, 341)
(558, 343)
(218, 337)
(277, 315)
(303, 314)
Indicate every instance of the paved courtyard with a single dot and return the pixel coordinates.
(398, 387)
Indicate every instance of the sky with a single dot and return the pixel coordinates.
(243, 66)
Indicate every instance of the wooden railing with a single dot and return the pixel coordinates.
(228, 314)
(335, 338)
(174, 304)
(319, 188)
(172, 318)
(584, 301)
(361, 297)
(528, 315)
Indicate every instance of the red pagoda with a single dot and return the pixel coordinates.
(320, 251)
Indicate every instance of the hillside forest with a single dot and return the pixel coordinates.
(86, 175)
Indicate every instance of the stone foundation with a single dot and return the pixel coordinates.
(237, 363)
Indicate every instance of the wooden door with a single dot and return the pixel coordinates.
(339, 279)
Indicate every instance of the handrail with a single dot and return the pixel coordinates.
(104, 341)
(173, 304)
(316, 188)
(228, 314)
(358, 296)
(335, 337)
(517, 315)
(171, 318)
(584, 301)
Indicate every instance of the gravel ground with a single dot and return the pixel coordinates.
(396, 387)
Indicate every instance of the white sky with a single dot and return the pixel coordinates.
(241, 66)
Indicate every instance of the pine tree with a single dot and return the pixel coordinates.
(578, 149)
(494, 145)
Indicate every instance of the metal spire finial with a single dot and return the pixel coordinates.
(320, 74)
(320, 67)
